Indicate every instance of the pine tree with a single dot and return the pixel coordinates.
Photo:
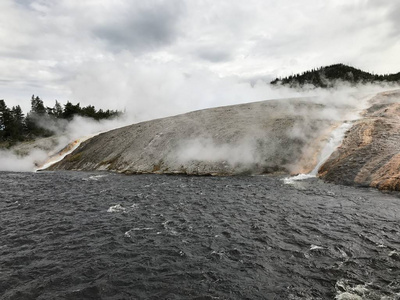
(57, 110)
(11, 123)
(3, 114)
(38, 111)
(71, 110)
(37, 105)
(15, 127)
(18, 123)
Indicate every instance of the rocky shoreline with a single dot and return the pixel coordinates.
(268, 137)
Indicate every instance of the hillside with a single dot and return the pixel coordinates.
(370, 152)
(278, 136)
(326, 77)
(281, 136)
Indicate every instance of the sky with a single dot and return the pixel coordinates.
(155, 58)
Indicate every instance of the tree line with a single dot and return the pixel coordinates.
(16, 127)
(327, 77)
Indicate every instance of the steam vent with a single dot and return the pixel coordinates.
(269, 137)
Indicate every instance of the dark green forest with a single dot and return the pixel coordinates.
(327, 77)
(16, 127)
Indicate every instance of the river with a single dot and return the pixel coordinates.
(79, 235)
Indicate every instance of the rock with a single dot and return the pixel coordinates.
(276, 136)
(370, 152)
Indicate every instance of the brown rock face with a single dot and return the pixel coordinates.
(370, 152)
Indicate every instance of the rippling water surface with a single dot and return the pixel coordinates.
(73, 235)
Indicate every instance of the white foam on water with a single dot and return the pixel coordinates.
(345, 290)
(94, 177)
(116, 208)
(343, 253)
(169, 227)
(394, 254)
(315, 247)
(348, 296)
(130, 232)
(300, 177)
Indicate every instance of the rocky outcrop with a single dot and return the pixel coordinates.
(255, 138)
(280, 136)
(370, 152)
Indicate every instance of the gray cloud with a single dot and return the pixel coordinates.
(214, 55)
(138, 52)
(24, 2)
(141, 28)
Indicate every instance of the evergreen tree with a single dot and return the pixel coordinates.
(57, 110)
(3, 108)
(327, 77)
(3, 119)
(7, 121)
(50, 111)
(37, 105)
(30, 124)
(38, 113)
(71, 110)
(89, 111)
(18, 123)
(11, 122)
(15, 127)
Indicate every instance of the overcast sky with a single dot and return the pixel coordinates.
(159, 57)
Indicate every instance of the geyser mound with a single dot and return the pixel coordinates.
(275, 136)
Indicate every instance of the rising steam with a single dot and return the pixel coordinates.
(28, 157)
(164, 92)
(337, 106)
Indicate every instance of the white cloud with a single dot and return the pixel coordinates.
(159, 57)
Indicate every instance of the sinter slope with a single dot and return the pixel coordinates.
(255, 138)
(265, 137)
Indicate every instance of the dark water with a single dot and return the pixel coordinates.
(72, 235)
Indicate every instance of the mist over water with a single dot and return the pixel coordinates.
(74, 235)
